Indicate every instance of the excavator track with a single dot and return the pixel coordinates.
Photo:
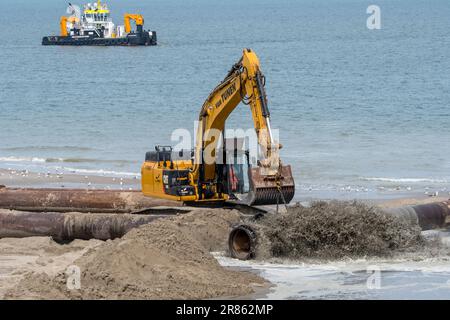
(266, 190)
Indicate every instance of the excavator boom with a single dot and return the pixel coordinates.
(270, 182)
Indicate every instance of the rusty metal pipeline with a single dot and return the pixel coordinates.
(242, 242)
(69, 226)
(79, 200)
(428, 216)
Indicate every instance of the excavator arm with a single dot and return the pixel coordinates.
(270, 182)
(137, 18)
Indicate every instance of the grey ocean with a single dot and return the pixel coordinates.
(361, 113)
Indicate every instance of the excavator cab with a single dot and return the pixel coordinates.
(233, 172)
(245, 182)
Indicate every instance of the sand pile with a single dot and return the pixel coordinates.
(167, 259)
(21, 257)
(335, 230)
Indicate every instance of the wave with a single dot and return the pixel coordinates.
(406, 180)
(56, 160)
(48, 148)
(87, 160)
(101, 172)
(22, 159)
(60, 165)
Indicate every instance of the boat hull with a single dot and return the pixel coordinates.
(132, 39)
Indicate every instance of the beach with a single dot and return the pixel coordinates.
(36, 267)
(26, 179)
(166, 259)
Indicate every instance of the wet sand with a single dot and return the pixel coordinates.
(27, 179)
(21, 257)
(394, 203)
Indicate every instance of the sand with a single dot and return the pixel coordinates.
(21, 258)
(24, 178)
(171, 258)
(395, 203)
(167, 259)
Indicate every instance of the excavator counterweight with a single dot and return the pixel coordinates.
(197, 176)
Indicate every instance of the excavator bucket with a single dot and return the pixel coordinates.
(265, 190)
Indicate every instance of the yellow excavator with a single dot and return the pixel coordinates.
(197, 177)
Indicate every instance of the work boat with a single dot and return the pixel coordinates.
(94, 27)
